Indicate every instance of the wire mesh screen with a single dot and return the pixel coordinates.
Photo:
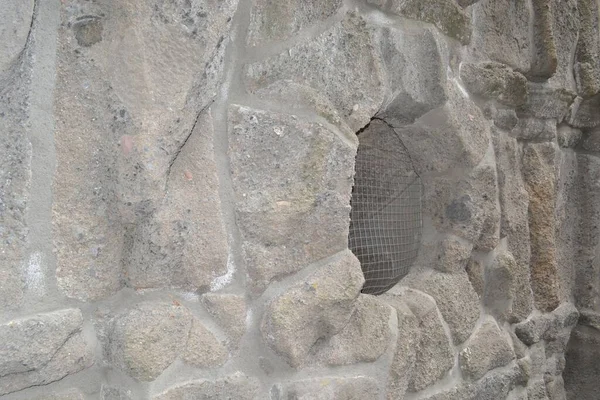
(385, 218)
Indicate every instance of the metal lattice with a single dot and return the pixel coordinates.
(386, 222)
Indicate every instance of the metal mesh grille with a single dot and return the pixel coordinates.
(386, 223)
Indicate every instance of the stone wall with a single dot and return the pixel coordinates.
(175, 182)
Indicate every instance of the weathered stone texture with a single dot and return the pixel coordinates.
(322, 306)
(446, 15)
(514, 203)
(15, 24)
(454, 135)
(495, 81)
(15, 178)
(408, 338)
(331, 388)
(292, 182)
(487, 349)
(356, 96)
(455, 298)
(72, 394)
(416, 79)
(229, 311)
(165, 246)
(366, 336)
(274, 21)
(539, 176)
(147, 338)
(501, 32)
(236, 386)
(41, 349)
(203, 349)
(587, 56)
(434, 355)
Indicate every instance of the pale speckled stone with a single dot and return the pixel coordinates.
(322, 306)
(292, 180)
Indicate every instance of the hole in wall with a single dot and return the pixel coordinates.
(385, 218)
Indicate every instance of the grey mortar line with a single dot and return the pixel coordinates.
(46, 19)
(219, 110)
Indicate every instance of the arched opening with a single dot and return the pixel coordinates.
(385, 217)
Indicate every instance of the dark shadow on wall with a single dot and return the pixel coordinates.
(385, 217)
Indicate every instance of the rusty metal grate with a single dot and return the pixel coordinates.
(386, 222)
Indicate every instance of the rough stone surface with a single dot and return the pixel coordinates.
(72, 394)
(583, 366)
(203, 349)
(41, 349)
(453, 255)
(15, 177)
(165, 246)
(446, 15)
(146, 339)
(462, 144)
(415, 74)
(567, 136)
(15, 23)
(114, 393)
(504, 279)
(434, 356)
(366, 336)
(322, 305)
(476, 273)
(535, 129)
(135, 124)
(590, 141)
(502, 32)
(514, 225)
(584, 112)
(547, 101)
(540, 180)
(495, 81)
(587, 71)
(487, 349)
(281, 20)
(356, 96)
(455, 298)
(292, 182)
(544, 59)
(331, 388)
(230, 312)
(408, 339)
(587, 287)
(236, 386)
